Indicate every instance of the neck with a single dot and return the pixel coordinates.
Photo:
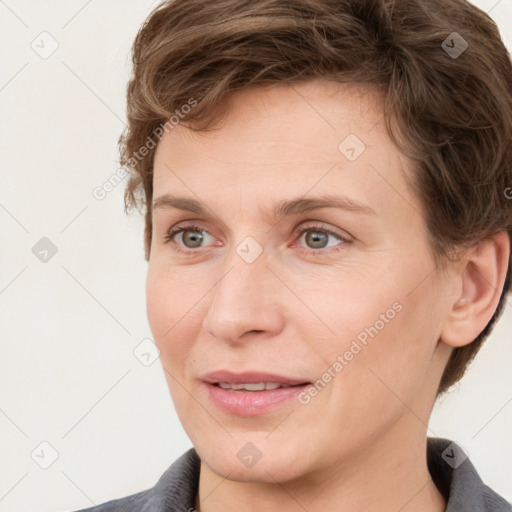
(386, 476)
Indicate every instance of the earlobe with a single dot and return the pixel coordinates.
(482, 272)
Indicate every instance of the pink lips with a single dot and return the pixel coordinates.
(250, 403)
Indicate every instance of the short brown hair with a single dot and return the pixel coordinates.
(451, 114)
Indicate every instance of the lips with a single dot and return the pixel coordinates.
(250, 393)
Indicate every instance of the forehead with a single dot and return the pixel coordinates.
(319, 102)
(282, 116)
(286, 140)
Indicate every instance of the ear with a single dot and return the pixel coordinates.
(480, 279)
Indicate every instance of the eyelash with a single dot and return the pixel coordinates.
(297, 234)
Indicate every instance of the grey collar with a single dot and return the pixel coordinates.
(452, 472)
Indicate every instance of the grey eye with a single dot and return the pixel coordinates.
(192, 238)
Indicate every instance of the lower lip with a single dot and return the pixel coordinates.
(251, 403)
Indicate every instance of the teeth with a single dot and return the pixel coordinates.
(260, 386)
(270, 385)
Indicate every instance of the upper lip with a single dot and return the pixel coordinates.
(249, 377)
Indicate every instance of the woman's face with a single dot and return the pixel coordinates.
(342, 300)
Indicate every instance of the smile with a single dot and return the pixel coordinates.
(250, 393)
(261, 386)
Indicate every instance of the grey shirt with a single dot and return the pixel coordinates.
(451, 471)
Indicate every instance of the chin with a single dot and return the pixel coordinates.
(263, 472)
(242, 461)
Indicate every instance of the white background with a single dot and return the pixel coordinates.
(69, 326)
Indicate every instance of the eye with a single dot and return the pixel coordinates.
(317, 237)
(191, 236)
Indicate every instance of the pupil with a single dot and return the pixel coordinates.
(195, 237)
(313, 237)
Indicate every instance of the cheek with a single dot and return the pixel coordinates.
(393, 367)
(380, 328)
(171, 307)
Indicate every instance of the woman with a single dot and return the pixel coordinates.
(328, 239)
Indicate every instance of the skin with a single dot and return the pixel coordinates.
(360, 443)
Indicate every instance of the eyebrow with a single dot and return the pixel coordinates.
(283, 208)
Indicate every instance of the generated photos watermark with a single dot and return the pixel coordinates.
(355, 348)
(100, 192)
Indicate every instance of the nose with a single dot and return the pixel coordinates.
(244, 302)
